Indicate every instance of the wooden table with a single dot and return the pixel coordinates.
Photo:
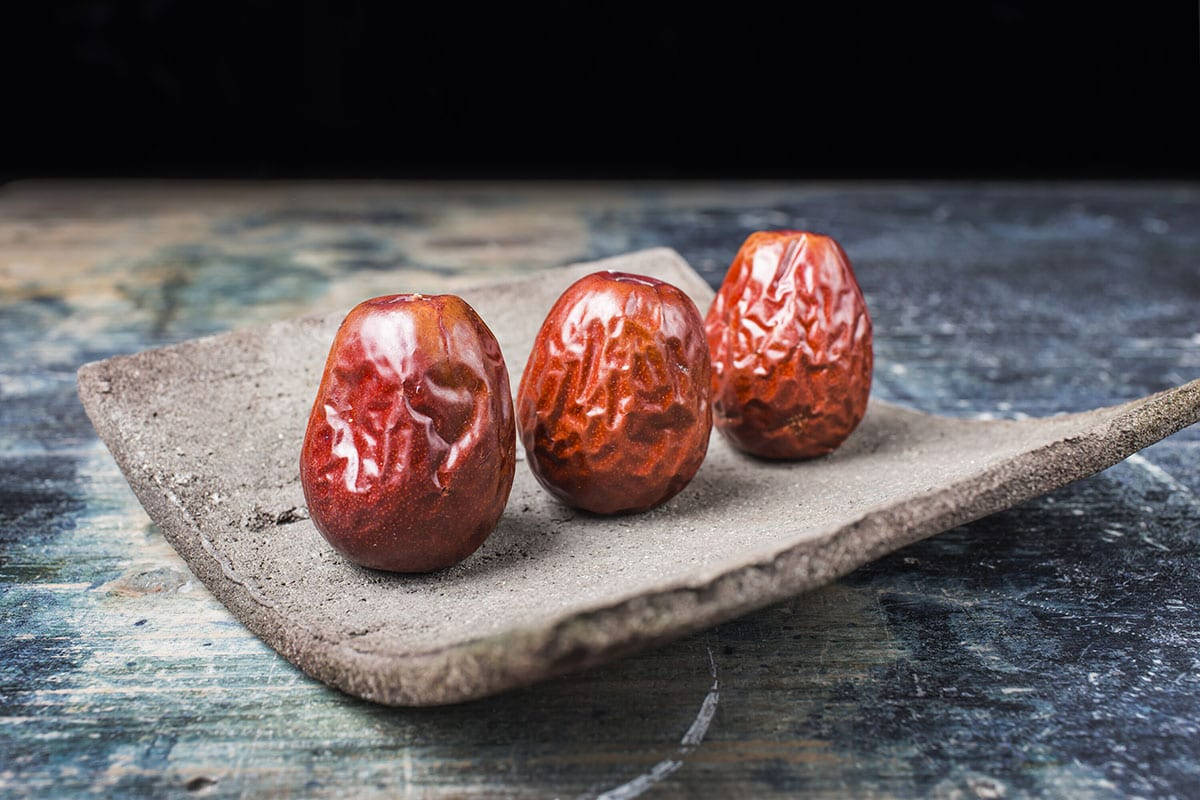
(1053, 649)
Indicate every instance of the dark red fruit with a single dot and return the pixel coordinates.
(614, 402)
(410, 449)
(791, 347)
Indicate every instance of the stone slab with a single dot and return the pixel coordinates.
(208, 433)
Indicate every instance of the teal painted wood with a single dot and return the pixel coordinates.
(1047, 650)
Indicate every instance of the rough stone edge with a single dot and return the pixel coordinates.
(591, 637)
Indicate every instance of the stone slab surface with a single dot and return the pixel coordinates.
(207, 433)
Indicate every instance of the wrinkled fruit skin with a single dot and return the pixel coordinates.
(614, 403)
(411, 445)
(790, 339)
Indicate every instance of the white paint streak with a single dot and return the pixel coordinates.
(689, 742)
(59, 587)
(1146, 538)
(1166, 479)
(1161, 475)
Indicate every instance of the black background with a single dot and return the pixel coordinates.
(743, 89)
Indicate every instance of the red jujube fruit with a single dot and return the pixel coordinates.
(411, 446)
(791, 347)
(614, 403)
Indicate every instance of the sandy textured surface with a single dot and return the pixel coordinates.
(207, 433)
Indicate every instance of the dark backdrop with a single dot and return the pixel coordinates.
(838, 89)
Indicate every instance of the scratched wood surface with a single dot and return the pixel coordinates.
(1051, 650)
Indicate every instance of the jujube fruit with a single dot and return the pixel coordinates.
(613, 405)
(791, 347)
(409, 454)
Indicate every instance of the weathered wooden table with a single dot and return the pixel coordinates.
(1049, 650)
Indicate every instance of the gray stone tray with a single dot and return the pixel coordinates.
(208, 434)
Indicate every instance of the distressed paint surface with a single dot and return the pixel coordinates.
(1048, 650)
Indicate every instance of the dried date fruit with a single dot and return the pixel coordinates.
(411, 445)
(790, 339)
(614, 405)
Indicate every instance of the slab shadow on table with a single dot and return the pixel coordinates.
(1002, 658)
(1005, 656)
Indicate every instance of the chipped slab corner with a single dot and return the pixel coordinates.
(208, 433)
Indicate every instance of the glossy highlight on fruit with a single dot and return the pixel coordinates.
(790, 339)
(410, 450)
(614, 402)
